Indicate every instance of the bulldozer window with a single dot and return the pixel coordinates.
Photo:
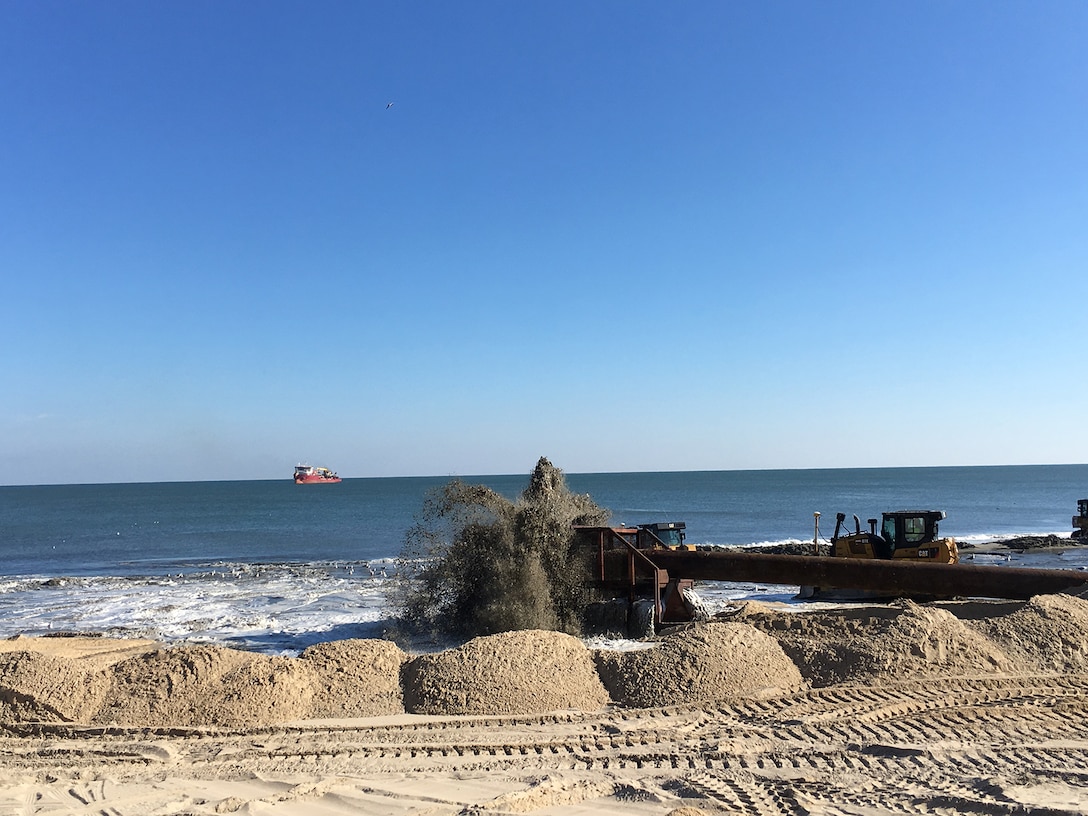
(914, 529)
(887, 530)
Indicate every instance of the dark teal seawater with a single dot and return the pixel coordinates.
(147, 529)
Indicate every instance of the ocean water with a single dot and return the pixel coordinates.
(275, 567)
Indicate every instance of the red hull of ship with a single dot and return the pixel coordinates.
(308, 474)
(316, 480)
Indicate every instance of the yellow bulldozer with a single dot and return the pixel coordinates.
(1080, 522)
(904, 534)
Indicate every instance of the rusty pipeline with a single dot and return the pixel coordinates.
(907, 578)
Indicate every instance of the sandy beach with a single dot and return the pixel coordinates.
(968, 707)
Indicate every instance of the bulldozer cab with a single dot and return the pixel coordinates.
(661, 534)
(1080, 520)
(910, 528)
(904, 534)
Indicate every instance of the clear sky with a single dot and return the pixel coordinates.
(628, 236)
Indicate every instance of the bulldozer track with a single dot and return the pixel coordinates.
(925, 746)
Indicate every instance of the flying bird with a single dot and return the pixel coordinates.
(388, 105)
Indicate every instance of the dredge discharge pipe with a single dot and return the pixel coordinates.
(900, 577)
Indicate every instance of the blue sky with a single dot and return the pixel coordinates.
(628, 236)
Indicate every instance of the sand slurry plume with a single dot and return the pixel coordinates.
(968, 707)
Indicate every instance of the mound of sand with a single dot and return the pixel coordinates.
(36, 687)
(898, 642)
(716, 661)
(758, 652)
(356, 678)
(527, 672)
(89, 651)
(207, 685)
(1049, 633)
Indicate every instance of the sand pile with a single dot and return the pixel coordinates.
(37, 687)
(757, 652)
(89, 651)
(356, 678)
(526, 672)
(1049, 633)
(715, 661)
(207, 685)
(898, 642)
(50, 680)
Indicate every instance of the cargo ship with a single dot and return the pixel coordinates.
(308, 474)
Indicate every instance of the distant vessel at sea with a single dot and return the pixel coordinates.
(308, 474)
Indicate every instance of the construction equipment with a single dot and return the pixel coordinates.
(668, 534)
(904, 534)
(644, 575)
(643, 596)
(1080, 521)
(891, 576)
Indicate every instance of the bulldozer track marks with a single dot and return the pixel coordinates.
(924, 746)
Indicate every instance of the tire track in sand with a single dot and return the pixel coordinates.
(968, 746)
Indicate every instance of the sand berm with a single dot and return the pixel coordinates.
(755, 652)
